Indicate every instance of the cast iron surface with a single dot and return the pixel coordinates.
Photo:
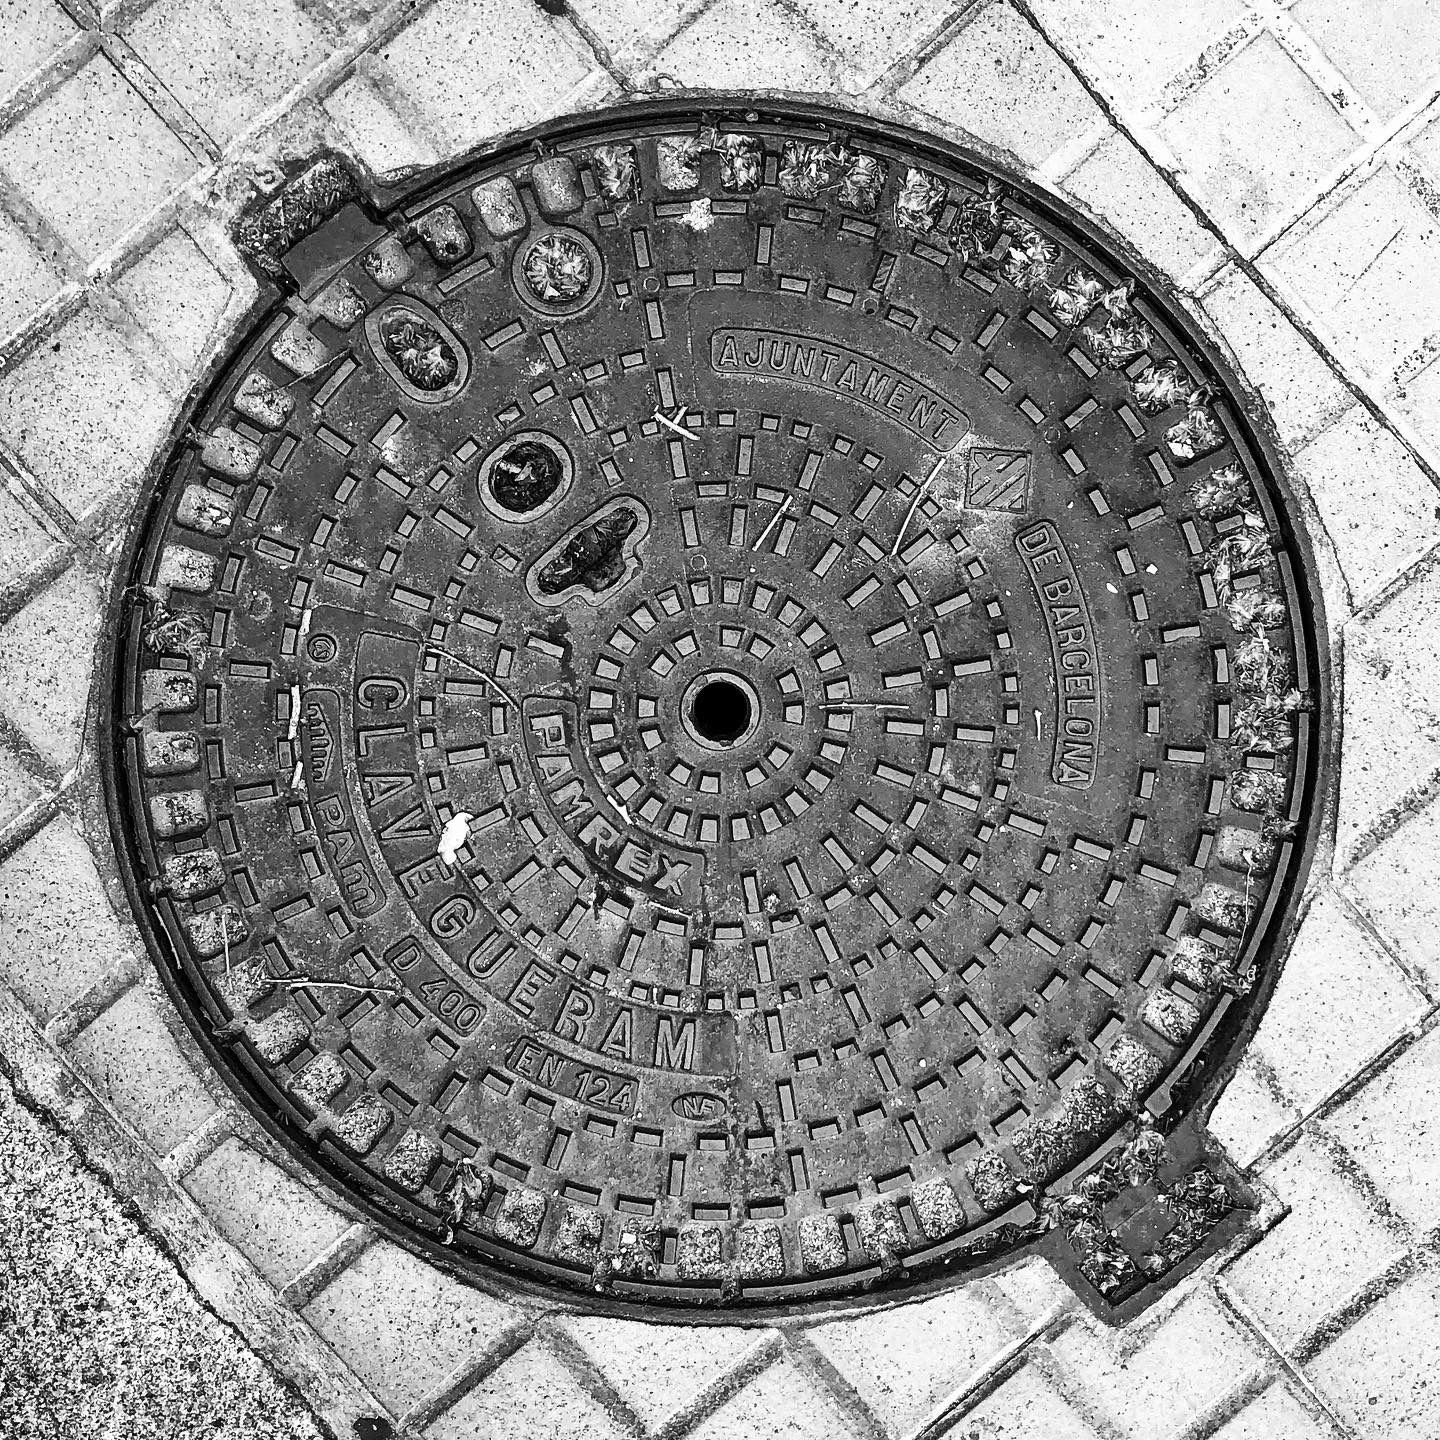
(711, 710)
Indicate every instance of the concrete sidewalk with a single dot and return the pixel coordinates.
(1279, 163)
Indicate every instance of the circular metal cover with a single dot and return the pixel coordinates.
(712, 704)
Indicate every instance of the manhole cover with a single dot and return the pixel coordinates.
(713, 707)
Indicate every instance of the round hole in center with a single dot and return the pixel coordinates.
(720, 711)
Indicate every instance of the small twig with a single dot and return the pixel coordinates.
(317, 371)
(915, 503)
(774, 519)
(485, 675)
(303, 982)
(670, 423)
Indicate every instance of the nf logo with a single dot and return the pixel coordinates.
(998, 480)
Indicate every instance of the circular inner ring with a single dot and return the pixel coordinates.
(720, 709)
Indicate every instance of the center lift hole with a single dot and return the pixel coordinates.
(720, 711)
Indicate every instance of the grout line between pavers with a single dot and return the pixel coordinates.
(1386, 1217)
(1323, 1109)
(945, 1417)
(1071, 1388)
(1420, 448)
(84, 13)
(1061, 164)
(1144, 143)
(1360, 917)
(467, 1375)
(27, 824)
(590, 46)
(990, 1376)
(327, 1266)
(198, 1146)
(808, 1357)
(158, 96)
(42, 236)
(1209, 1419)
(1310, 58)
(1384, 827)
(116, 979)
(1179, 87)
(902, 70)
(573, 1359)
(1246, 1317)
(686, 23)
(768, 1349)
(1361, 1300)
(48, 77)
(33, 497)
(1361, 163)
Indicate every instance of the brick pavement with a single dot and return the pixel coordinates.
(1280, 163)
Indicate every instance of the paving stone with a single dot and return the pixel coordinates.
(1249, 1115)
(46, 654)
(377, 137)
(26, 536)
(82, 412)
(871, 35)
(60, 932)
(905, 1360)
(121, 160)
(34, 30)
(1387, 52)
(27, 280)
(1299, 389)
(177, 295)
(532, 1393)
(401, 1324)
(227, 61)
(272, 1219)
(1358, 263)
(781, 1403)
(1034, 1288)
(133, 1060)
(1424, 148)
(659, 1369)
(1417, 397)
(1380, 1373)
(1025, 1407)
(1392, 1128)
(1274, 1414)
(1395, 886)
(1133, 47)
(20, 791)
(1392, 737)
(1329, 1244)
(1192, 1358)
(1339, 1002)
(1378, 506)
(632, 29)
(1121, 189)
(999, 80)
(1255, 137)
(435, 60)
(745, 44)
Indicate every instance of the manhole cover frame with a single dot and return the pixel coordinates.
(1213, 1052)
